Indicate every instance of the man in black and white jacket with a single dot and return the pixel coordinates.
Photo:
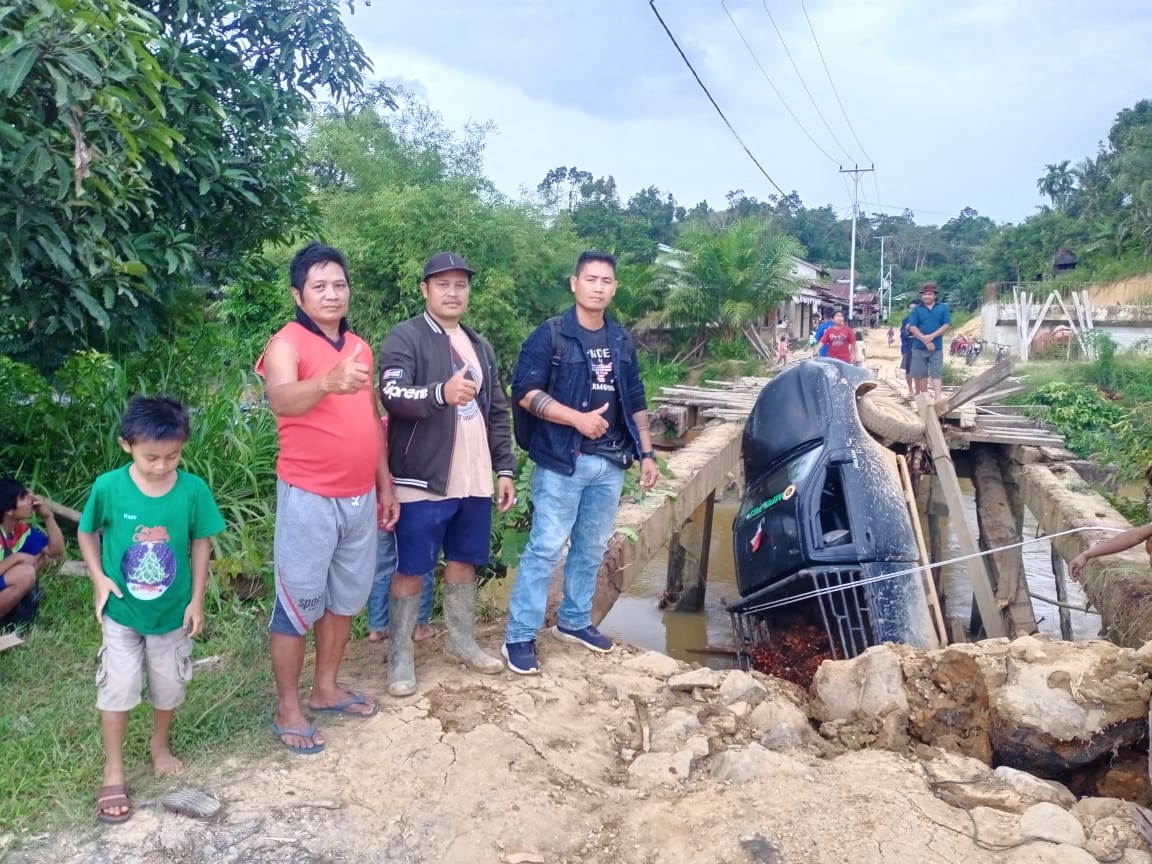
(449, 430)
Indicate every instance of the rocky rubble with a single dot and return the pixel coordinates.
(634, 759)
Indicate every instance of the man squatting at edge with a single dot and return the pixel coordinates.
(595, 422)
(332, 468)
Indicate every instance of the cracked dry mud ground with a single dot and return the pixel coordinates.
(475, 766)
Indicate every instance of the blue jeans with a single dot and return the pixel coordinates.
(382, 584)
(581, 507)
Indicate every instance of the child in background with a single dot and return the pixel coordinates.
(144, 535)
(782, 353)
(25, 550)
(891, 337)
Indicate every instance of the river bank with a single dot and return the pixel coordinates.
(613, 759)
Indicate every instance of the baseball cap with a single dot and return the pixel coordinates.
(441, 262)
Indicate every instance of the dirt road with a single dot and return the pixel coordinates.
(488, 769)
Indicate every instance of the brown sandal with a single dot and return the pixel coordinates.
(109, 797)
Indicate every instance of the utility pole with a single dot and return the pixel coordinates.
(855, 172)
(885, 285)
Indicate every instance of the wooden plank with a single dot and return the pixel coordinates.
(975, 386)
(1000, 393)
(1059, 570)
(961, 438)
(950, 487)
(926, 579)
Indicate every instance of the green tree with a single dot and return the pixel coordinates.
(1057, 183)
(731, 279)
(150, 151)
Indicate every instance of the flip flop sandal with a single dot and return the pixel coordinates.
(192, 802)
(282, 731)
(355, 697)
(113, 796)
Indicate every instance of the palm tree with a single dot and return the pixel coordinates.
(1057, 183)
(730, 279)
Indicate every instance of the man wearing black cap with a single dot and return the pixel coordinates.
(448, 428)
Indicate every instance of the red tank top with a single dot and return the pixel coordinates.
(334, 449)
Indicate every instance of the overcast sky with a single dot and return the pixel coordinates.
(957, 104)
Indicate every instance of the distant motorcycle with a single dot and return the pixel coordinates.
(972, 352)
(959, 345)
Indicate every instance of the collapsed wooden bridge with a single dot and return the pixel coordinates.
(1013, 461)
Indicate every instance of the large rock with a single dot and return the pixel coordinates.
(782, 725)
(1052, 823)
(653, 663)
(739, 686)
(1005, 789)
(871, 684)
(1034, 789)
(706, 679)
(1061, 705)
(671, 729)
(742, 764)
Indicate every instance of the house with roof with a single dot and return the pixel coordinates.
(864, 302)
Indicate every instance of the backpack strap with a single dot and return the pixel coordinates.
(557, 351)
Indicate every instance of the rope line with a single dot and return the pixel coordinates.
(820, 592)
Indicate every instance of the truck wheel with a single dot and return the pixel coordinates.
(886, 418)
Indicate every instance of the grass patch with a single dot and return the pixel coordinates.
(51, 755)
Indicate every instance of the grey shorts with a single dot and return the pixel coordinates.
(324, 553)
(926, 364)
(123, 655)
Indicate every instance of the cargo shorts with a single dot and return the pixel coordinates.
(123, 657)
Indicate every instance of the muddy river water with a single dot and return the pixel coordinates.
(636, 617)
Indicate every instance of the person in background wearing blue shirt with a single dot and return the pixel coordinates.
(25, 550)
(927, 324)
(829, 315)
(906, 348)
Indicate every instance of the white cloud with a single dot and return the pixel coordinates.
(958, 105)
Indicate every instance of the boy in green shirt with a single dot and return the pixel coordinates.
(144, 535)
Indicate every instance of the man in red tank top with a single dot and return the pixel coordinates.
(332, 469)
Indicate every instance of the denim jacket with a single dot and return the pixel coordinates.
(556, 446)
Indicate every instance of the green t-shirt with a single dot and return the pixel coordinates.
(146, 545)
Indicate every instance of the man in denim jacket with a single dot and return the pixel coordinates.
(590, 425)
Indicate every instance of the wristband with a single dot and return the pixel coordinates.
(648, 454)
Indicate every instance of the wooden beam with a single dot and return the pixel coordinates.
(950, 487)
(964, 437)
(997, 521)
(926, 576)
(992, 396)
(975, 386)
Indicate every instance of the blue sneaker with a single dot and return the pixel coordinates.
(588, 637)
(521, 657)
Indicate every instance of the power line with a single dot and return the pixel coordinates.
(803, 84)
(779, 95)
(735, 134)
(827, 72)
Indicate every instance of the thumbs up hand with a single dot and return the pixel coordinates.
(460, 389)
(349, 375)
(592, 424)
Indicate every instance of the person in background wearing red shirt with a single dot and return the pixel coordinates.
(840, 339)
